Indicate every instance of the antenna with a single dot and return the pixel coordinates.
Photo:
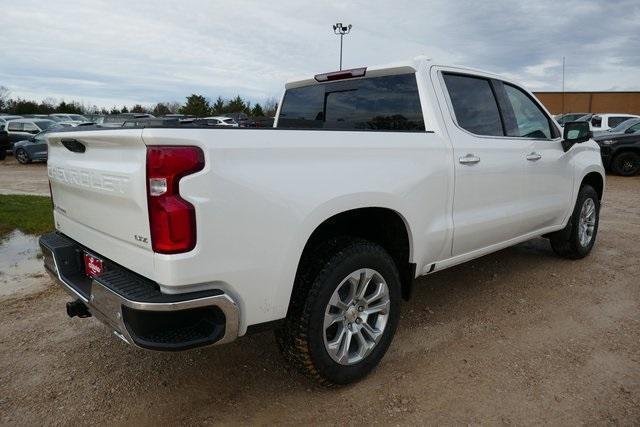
(563, 85)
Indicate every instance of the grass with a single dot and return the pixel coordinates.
(30, 214)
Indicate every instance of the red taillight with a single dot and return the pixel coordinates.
(172, 219)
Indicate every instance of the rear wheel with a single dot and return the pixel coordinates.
(3, 154)
(22, 156)
(576, 240)
(626, 163)
(343, 317)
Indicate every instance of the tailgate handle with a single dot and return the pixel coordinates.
(74, 145)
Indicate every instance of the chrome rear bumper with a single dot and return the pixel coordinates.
(134, 308)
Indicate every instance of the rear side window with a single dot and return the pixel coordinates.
(15, 127)
(531, 122)
(474, 104)
(388, 103)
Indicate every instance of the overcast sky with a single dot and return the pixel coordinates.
(113, 52)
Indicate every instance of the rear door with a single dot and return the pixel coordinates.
(489, 165)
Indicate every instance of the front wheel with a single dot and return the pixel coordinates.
(342, 319)
(626, 163)
(22, 156)
(576, 240)
(3, 154)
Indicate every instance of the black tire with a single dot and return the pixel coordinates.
(626, 163)
(301, 338)
(22, 156)
(566, 242)
(3, 154)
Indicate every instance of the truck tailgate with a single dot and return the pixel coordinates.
(98, 183)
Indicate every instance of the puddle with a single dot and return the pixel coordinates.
(21, 269)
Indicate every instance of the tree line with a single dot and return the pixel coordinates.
(195, 105)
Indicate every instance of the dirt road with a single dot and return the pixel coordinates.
(517, 337)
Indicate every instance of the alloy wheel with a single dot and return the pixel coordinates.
(587, 222)
(356, 316)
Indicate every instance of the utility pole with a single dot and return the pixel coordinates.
(341, 30)
(563, 85)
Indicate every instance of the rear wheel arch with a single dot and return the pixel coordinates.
(383, 226)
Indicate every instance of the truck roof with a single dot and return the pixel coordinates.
(400, 67)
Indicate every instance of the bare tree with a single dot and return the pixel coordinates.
(4, 97)
(270, 107)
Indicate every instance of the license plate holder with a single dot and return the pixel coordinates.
(93, 266)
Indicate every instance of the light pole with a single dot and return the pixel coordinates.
(341, 30)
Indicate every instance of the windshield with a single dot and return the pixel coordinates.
(624, 125)
(44, 124)
(78, 117)
(571, 117)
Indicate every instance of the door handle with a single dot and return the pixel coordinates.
(533, 156)
(469, 159)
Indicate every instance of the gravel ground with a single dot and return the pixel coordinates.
(517, 337)
(23, 179)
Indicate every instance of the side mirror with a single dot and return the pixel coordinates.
(575, 133)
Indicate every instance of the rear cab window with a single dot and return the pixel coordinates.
(385, 103)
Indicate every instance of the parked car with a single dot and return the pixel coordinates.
(260, 122)
(600, 122)
(70, 117)
(117, 120)
(20, 129)
(34, 148)
(621, 151)
(222, 121)
(627, 126)
(568, 117)
(6, 118)
(4, 143)
(178, 116)
(187, 236)
(241, 118)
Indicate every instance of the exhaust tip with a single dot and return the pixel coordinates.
(77, 308)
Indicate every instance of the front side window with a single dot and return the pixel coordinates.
(390, 103)
(474, 104)
(44, 124)
(30, 127)
(531, 121)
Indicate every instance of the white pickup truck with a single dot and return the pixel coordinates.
(184, 236)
